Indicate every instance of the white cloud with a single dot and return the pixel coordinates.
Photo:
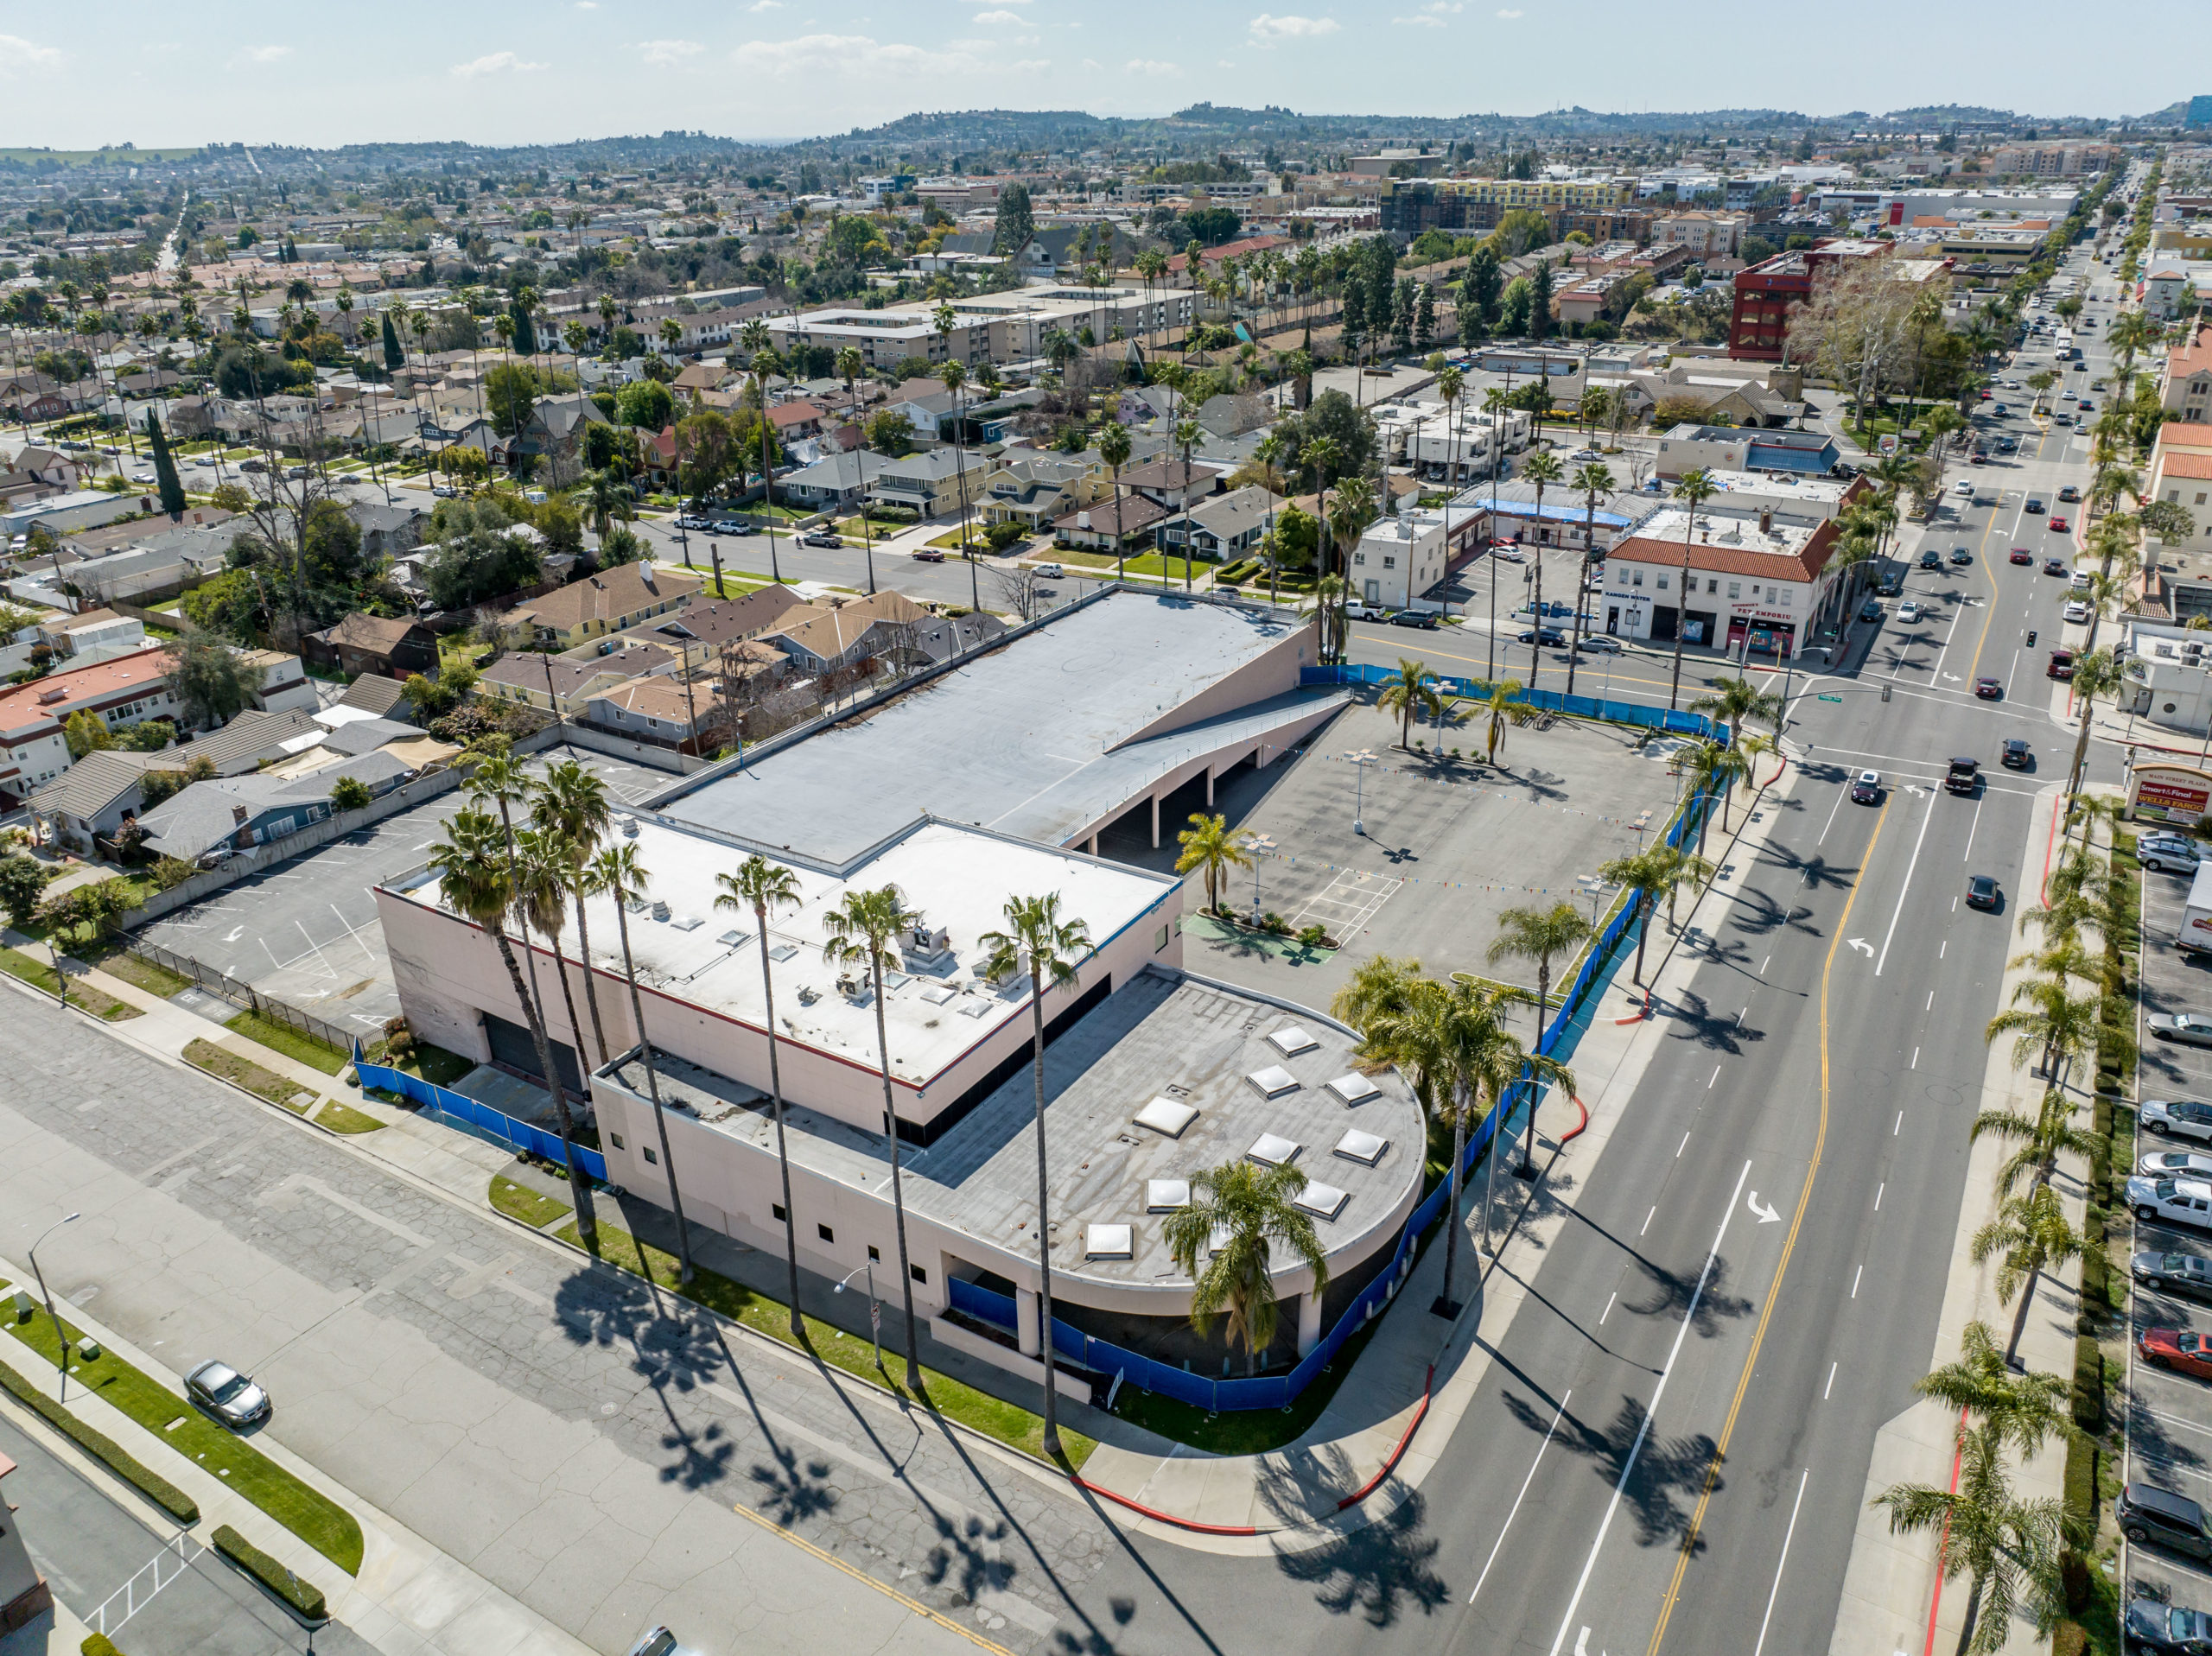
(1423, 21)
(999, 17)
(18, 54)
(666, 54)
(587, 5)
(267, 53)
(1267, 29)
(1510, 16)
(844, 57)
(1432, 14)
(496, 63)
(759, 6)
(1151, 66)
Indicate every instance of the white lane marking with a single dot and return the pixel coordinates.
(1830, 1386)
(1716, 1076)
(1878, 1188)
(1763, 964)
(1680, 1147)
(1943, 949)
(1916, 1058)
(1739, 1017)
(1650, 1413)
(1925, 817)
(1968, 855)
(1646, 1220)
(1525, 1483)
(1854, 1280)
(1900, 1125)
(1777, 1592)
(1608, 1311)
(1930, 1006)
(2009, 671)
(1832, 809)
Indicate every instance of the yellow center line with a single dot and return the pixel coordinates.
(862, 1576)
(1992, 613)
(1789, 1245)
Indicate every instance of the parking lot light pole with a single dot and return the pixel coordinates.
(61, 1340)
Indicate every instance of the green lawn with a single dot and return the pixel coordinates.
(321, 1523)
(104, 1007)
(283, 1038)
(243, 1072)
(1152, 563)
(520, 1202)
(735, 584)
(341, 1117)
(995, 1417)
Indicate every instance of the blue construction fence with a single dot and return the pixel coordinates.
(1275, 1391)
(1578, 707)
(482, 1117)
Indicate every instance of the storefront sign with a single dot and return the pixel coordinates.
(2172, 793)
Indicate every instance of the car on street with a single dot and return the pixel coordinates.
(1959, 555)
(2076, 611)
(1870, 611)
(1909, 611)
(2087, 406)
(1988, 688)
(2034, 506)
(1600, 643)
(2055, 567)
(2021, 554)
(1425, 620)
(1867, 788)
(444, 491)
(1585, 455)
(2179, 1350)
(231, 1397)
(2179, 1119)
(142, 476)
(2062, 419)
(2060, 665)
(821, 537)
(660, 1642)
(2173, 1202)
(1049, 572)
(2016, 754)
(2165, 852)
(1981, 891)
(2164, 1272)
(2167, 1627)
(2187, 1029)
(1551, 638)
(2174, 1164)
(690, 520)
(1931, 559)
(1964, 487)
(2058, 526)
(2069, 494)
(1358, 610)
(929, 555)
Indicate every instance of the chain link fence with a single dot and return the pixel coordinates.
(244, 996)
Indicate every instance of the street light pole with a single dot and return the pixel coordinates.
(874, 1306)
(61, 1340)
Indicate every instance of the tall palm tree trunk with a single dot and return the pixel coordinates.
(1052, 1441)
(583, 955)
(897, 1190)
(1536, 621)
(2020, 1317)
(652, 1084)
(776, 1096)
(579, 1181)
(1527, 1169)
(1643, 936)
(1445, 1304)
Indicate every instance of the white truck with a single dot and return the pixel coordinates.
(2196, 931)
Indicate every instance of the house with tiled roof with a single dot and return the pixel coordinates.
(600, 604)
(2180, 473)
(1753, 574)
(122, 691)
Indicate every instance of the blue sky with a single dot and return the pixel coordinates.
(501, 70)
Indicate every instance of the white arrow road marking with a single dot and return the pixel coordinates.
(1761, 1211)
(234, 934)
(1953, 677)
(1862, 945)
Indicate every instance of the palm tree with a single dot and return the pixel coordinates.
(1038, 941)
(616, 872)
(1187, 435)
(860, 932)
(572, 803)
(1537, 934)
(2047, 1022)
(1113, 445)
(1322, 455)
(1542, 468)
(1650, 874)
(2010, 1547)
(541, 861)
(1208, 844)
(474, 869)
(1694, 490)
(2095, 674)
(2032, 1233)
(1593, 478)
(2024, 1408)
(1412, 691)
(1238, 1215)
(1733, 701)
(1503, 708)
(2041, 1139)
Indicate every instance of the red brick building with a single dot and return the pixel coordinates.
(1758, 328)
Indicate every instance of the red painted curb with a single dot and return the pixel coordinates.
(1391, 1465)
(1580, 1128)
(1080, 1482)
(1943, 1545)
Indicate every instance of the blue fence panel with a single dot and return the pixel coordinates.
(1623, 712)
(519, 1134)
(983, 1304)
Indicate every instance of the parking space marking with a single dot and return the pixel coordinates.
(1360, 898)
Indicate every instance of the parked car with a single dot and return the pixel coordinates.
(444, 491)
(1425, 619)
(1600, 643)
(2176, 1165)
(821, 537)
(2016, 754)
(2060, 665)
(2164, 853)
(1988, 688)
(2172, 1273)
(1507, 550)
(1982, 893)
(2189, 1029)
(1550, 638)
(231, 1397)
(2153, 1625)
(2179, 1350)
(2076, 612)
(1867, 788)
(1049, 572)
(1870, 611)
(2178, 1119)
(1356, 610)
(2174, 1201)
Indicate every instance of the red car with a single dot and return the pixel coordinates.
(2058, 526)
(929, 555)
(2178, 1349)
(1988, 688)
(2021, 554)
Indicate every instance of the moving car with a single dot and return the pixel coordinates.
(2016, 755)
(1960, 555)
(1964, 776)
(2189, 1029)
(1600, 643)
(2058, 526)
(2179, 1119)
(1909, 611)
(2172, 1273)
(821, 537)
(2034, 507)
(1931, 559)
(2179, 1350)
(2021, 554)
(1425, 619)
(231, 1397)
(2069, 494)
(1867, 788)
(929, 555)
(1358, 610)
(2153, 1625)
(2061, 666)
(1964, 487)
(1988, 688)
(1870, 611)
(2173, 1202)
(2166, 851)
(2053, 566)
(1981, 891)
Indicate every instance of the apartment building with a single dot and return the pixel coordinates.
(1706, 235)
(124, 690)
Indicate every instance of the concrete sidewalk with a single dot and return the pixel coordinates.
(1892, 1599)
(1299, 1486)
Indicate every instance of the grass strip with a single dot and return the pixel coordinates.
(243, 1072)
(83, 996)
(143, 974)
(341, 1117)
(155, 1488)
(283, 1038)
(313, 1517)
(520, 1202)
(303, 1595)
(1009, 1423)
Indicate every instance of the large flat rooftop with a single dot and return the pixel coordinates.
(1037, 739)
(1161, 1035)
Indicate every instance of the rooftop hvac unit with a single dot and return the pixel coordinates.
(926, 939)
(660, 909)
(628, 825)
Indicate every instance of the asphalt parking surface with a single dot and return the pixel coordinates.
(306, 931)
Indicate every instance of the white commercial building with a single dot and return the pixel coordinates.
(1752, 579)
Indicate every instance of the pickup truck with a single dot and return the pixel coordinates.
(1965, 777)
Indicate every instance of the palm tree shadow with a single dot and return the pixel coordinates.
(1377, 1571)
(1715, 1032)
(791, 1494)
(1671, 1293)
(1667, 1477)
(1815, 872)
(960, 1561)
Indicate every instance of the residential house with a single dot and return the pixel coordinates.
(394, 646)
(837, 483)
(564, 684)
(95, 635)
(1126, 524)
(90, 801)
(699, 632)
(600, 604)
(252, 739)
(665, 710)
(122, 691)
(795, 421)
(1229, 415)
(1223, 527)
(1034, 488)
(932, 482)
(388, 531)
(209, 820)
(377, 693)
(1171, 484)
(824, 639)
(281, 683)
